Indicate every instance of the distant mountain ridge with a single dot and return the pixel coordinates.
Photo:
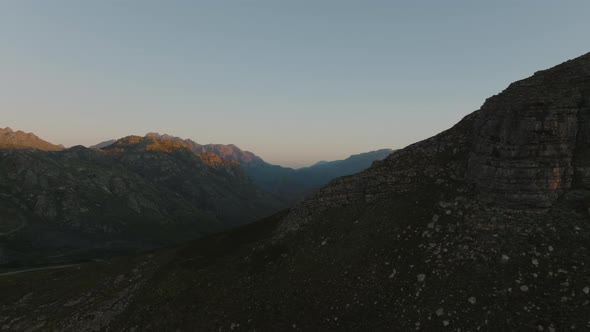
(298, 183)
(10, 139)
(169, 144)
(288, 183)
(102, 144)
(229, 151)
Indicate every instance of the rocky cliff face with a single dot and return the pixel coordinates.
(524, 148)
(531, 141)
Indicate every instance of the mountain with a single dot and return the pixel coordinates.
(484, 226)
(265, 175)
(103, 144)
(10, 139)
(294, 184)
(321, 162)
(303, 181)
(138, 193)
(291, 185)
(130, 194)
(229, 152)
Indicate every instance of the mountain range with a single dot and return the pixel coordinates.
(287, 183)
(484, 226)
(140, 192)
(135, 193)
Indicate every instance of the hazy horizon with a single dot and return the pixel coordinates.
(295, 166)
(295, 83)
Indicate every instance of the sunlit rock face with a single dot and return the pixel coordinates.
(531, 141)
(10, 139)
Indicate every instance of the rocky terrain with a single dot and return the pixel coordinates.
(139, 193)
(484, 227)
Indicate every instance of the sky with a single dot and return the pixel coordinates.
(293, 81)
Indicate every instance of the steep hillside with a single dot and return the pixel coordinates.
(472, 229)
(10, 139)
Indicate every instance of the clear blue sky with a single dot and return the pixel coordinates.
(293, 81)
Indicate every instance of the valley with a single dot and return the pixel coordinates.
(132, 195)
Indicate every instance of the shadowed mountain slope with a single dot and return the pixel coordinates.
(138, 193)
(472, 229)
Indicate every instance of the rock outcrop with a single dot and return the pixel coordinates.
(531, 141)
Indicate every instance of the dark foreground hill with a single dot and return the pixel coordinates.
(482, 227)
(137, 193)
